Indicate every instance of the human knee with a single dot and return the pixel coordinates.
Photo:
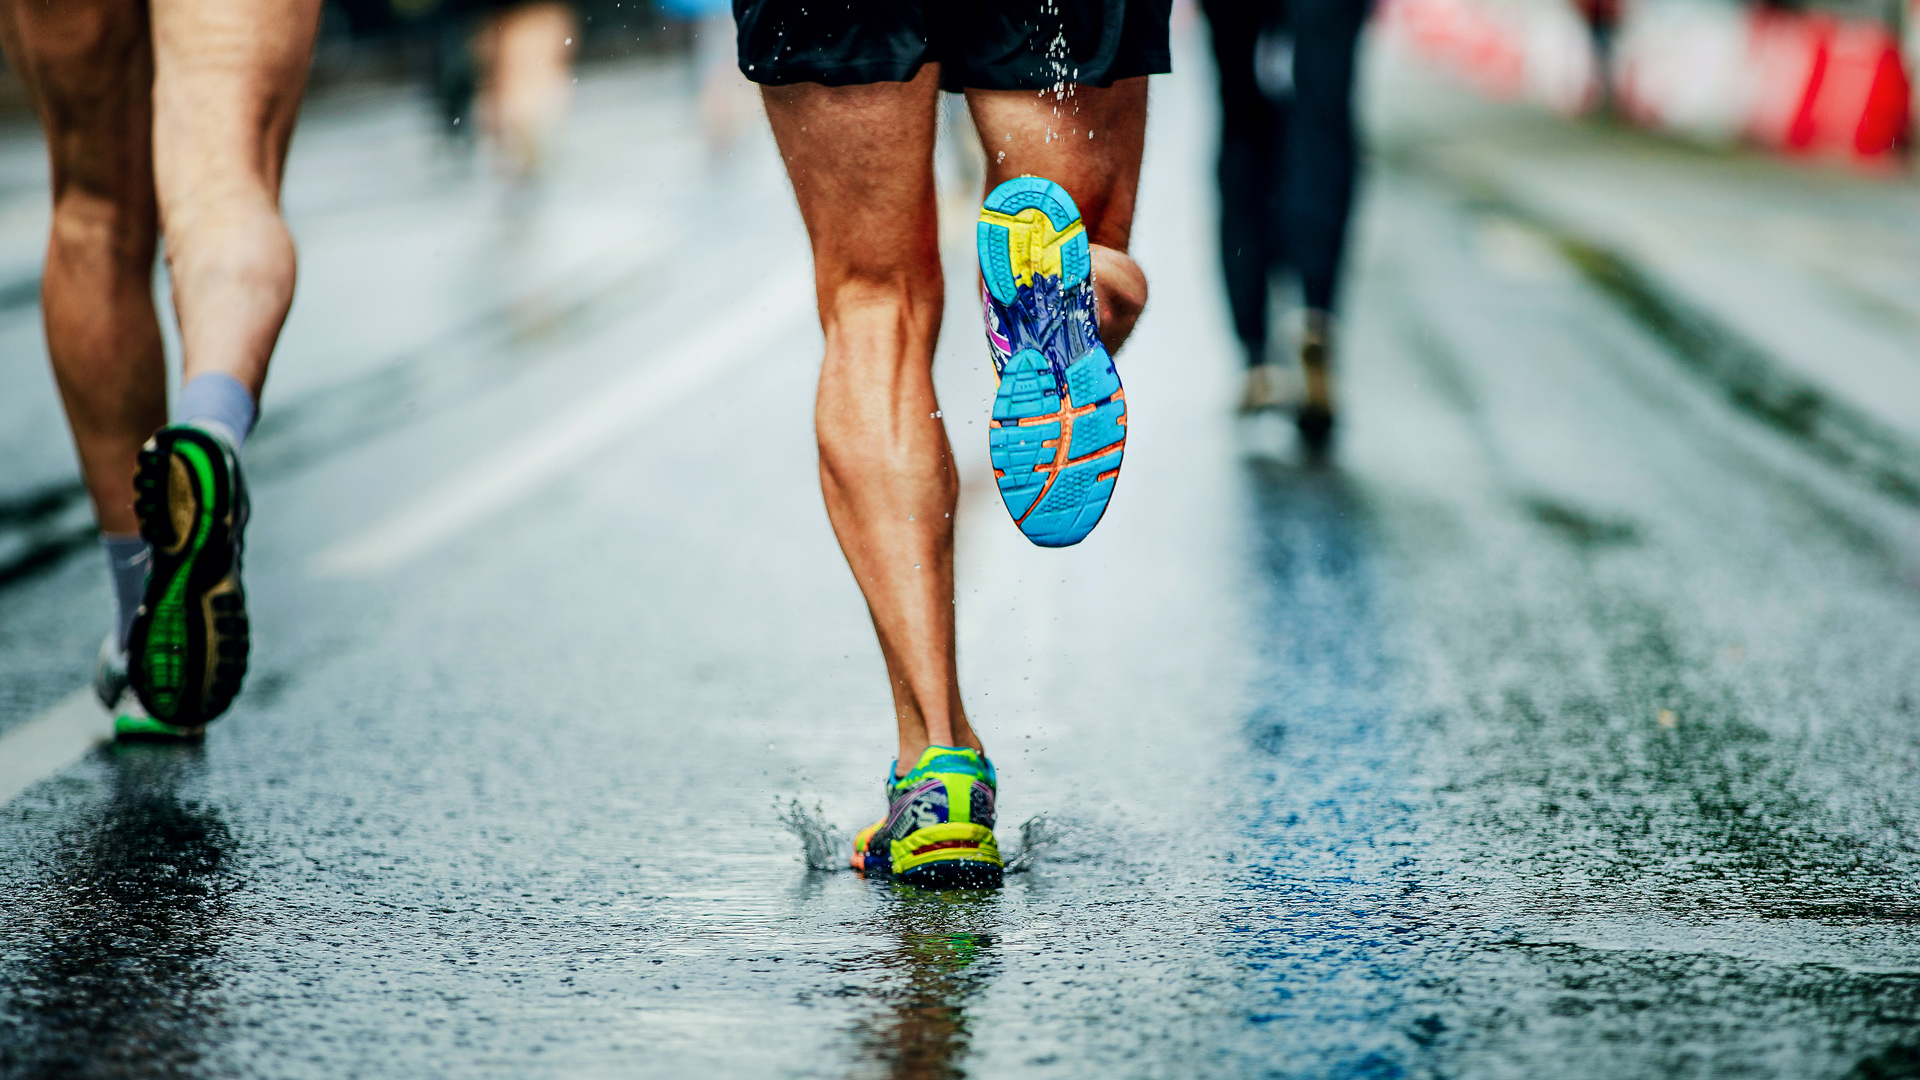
(91, 227)
(83, 58)
(89, 73)
(904, 294)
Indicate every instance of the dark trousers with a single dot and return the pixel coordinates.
(1287, 156)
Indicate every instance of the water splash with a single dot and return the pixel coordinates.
(1038, 836)
(825, 847)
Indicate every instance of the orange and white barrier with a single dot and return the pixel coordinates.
(1828, 87)
(1808, 84)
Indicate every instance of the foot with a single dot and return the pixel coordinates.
(188, 649)
(1060, 417)
(938, 832)
(1315, 418)
(130, 718)
(1262, 390)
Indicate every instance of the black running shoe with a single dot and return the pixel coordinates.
(188, 649)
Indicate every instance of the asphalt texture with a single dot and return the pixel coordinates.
(1563, 723)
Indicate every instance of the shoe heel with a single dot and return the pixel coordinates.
(954, 855)
(1027, 225)
(187, 649)
(954, 874)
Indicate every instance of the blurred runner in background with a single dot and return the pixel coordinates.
(726, 99)
(1058, 93)
(1287, 162)
(1602, 18)
(525, 51)
(165, 117)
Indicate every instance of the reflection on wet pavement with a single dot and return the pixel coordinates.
(915, 993)
(1329, 911)
(130, 920)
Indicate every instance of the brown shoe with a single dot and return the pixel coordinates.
(1315, 418)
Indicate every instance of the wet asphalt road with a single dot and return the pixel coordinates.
(1565, 724)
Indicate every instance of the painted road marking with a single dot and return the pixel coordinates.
(42, 746)
(687, 365)
(51, 741)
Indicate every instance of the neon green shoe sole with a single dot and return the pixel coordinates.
(187, 652)
(136, 727)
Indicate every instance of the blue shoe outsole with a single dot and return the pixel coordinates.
(1025, 193)
(1059, 420)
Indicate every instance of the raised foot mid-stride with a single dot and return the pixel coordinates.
(187, 652)
(1059, 426)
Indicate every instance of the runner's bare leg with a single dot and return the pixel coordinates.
(861, 162)
(88, 67)
(228, 77)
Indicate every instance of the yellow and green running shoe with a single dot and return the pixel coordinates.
(938, 832)
(187, 652)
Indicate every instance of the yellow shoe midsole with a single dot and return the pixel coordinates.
(951, 842)
(1033, 247)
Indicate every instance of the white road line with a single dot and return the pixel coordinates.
(686, 366)
(44, 745)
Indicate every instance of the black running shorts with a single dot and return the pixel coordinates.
(983, 44)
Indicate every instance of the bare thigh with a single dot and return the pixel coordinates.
(1087, 139)
(861, 162)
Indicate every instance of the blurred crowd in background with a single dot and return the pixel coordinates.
(1829, 78)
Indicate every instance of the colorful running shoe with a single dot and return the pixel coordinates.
(1059, 417)
(188, 649)
(938, 832)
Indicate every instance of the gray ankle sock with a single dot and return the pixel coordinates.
(127, 558)
(217, 400)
